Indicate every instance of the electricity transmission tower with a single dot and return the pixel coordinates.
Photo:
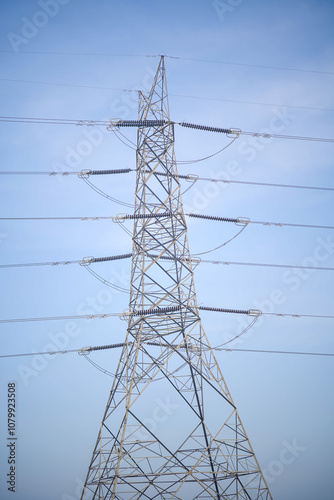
(170, 429)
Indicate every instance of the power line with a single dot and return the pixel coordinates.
(259, 264)
(262, 66)
(105, 195)
(313, 108)
(199, 254)
(56, 318)
(119, 218)
(250, 312)
(189, 177)
(285, 136)
(51, 174)
(279, 352)
(292, 315)
(84, 262)
(65, 85)
(113, 123)
(229, 63)
(87, 350)
(82, 173)
(58, 218)
(237, 132)
(234, 132)
(246, 221)
(38, 353)
(92, 260)
(188, 162)
(55, 121)
(194, 178)
(76, 53)
(37, 264)
(287, 224)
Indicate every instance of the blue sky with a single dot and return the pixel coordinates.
(284, 401)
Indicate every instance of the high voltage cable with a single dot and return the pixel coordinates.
(58, 218)
(253, 183)
(37, 264)
(259, 264)
(53, 121)
(238, 132)
(245, 221)
(188, 162)
(117, 122)
(172, 95)
(77, 53)
(82, 350)
(250, 312)
(148, 123)
(86, 262)
(189, 177)
(87, 350)
(40, 173)
(65, 85)
(56, 318)
(251, 102)
(280, 68)
(292, 315)
(285, 136)
(238, 220)
(81, 173)
(180, 58)
(277, 352)
(287, 224)
(105, 195)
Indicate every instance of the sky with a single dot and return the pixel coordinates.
(257, 66)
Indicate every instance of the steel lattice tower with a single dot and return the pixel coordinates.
(201, 450)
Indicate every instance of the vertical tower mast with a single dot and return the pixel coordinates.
(170, 429)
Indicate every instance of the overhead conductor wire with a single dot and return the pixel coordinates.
(190, 177)
(91, 260)
(120, 218)
(87, 350)
(116, 123)
(158, 312)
